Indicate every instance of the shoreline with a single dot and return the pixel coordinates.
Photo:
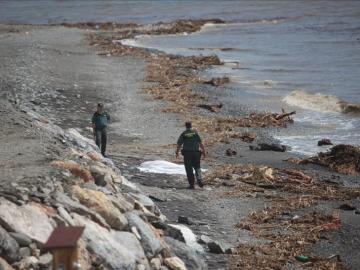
(158, 185)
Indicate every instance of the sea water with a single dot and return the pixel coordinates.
(300, 55)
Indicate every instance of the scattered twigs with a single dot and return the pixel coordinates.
(341, 158)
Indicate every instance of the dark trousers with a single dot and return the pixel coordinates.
(192, 161)
(100, 139)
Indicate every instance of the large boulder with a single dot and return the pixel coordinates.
(4, 265)
(121, 203)
(9, 248)
(99, 202)
(27, 219)
(150, 241)
(192, 258)
(118, 250)
(62, 200)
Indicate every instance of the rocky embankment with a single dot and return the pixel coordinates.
(81, 188)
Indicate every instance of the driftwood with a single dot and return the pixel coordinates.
(212, 108)
(341, 158)
(283, 114)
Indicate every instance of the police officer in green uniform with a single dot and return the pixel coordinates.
(99, 123)
(190, 142)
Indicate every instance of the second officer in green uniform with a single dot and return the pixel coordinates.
(190, 144)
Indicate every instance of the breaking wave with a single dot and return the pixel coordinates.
(320, 102)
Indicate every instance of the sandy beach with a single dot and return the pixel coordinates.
(61, 72)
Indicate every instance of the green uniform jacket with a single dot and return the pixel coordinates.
(100, 120)
(190, 140)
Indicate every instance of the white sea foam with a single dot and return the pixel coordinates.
(320, 102)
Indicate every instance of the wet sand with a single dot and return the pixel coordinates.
(53, 71)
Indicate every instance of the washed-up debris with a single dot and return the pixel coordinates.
(218, 81)
(212, 108)
(248, 137)
(250, 178)
(342, 158)
(302, 258)
(268, 147)
(231, 152)
(324, 142)
(287, 240)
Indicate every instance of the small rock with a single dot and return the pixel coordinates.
(217, 247)
(324, 142)
(155, 263)
(22, 239)
(204, 239)
(27, 263)
(140, 267)
(66, 216)
(185, 220)
(24, 252)
(144, 200)
(231, 152)
(45, 260)
(9, 248)
(175, 263)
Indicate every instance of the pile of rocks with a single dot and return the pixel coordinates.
(87, 190)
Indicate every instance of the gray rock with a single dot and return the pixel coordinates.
(74, 206)
(185, 220)
(169, 230)
(110, 246)
(45, 260)
(204, 239)
(17, 219)
(192, 259)
(149, 240)
(66, 216)
(9, 248)
(121, 203)
(24, 252)
(22, 239)
(144, 200)
(218, 247)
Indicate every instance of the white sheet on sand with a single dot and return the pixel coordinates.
(163, 167)
(189, 236)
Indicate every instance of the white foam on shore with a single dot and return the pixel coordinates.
(189, 236)
(320, 102)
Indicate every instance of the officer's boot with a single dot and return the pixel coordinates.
(198, 177)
